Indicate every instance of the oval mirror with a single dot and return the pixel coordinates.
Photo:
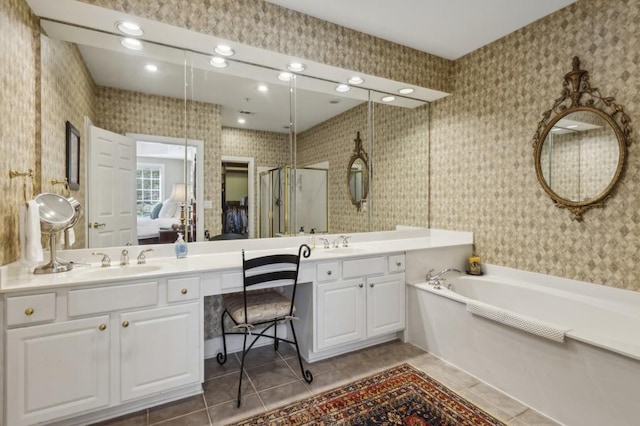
(56, 212)
(358, 174)
(580, 152)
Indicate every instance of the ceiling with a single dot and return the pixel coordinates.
(445, 28)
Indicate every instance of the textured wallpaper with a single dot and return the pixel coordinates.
(268, 26)
(122, 111)
(482, 171)
(19, 109)
(68, 94)
(333, 141)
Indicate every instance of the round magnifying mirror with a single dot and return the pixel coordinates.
(56, 212)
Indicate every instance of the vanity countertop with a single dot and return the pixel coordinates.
(207, 257)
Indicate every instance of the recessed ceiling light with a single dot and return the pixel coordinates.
(151, 68)
(285, 76)
(296, 67)
(131, 43)
(218, 62)
(388, 98)
(573, 126)
(342, 88)
(406, 91)
(129, 28)
(556, 129)
(224, 50)
(356, 80)
(263, 88)
(241, 120)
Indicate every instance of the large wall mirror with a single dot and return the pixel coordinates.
(580, 146)
(251, 152)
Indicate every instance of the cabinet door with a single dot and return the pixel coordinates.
(160, 349)
(385, 304)
(340, 313)
(57, 369)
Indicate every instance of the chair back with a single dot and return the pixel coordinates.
(273, 268)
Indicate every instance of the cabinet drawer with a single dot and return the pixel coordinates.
(396, 263)
(23, 310)
(105, 299)
(360, 267)
(182, 289)
(327, 272)
(232, 281)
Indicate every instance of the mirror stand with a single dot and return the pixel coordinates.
(54, 265)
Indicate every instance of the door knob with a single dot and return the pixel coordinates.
(98, 225)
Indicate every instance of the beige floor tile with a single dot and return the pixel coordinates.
(499, 399)
(283, 395)
(490, 408)
(228, 412)
(225, 388)
(533, 418)
(199, 418)
(270, 375)
(135, 419)
(316, 368)
(176, 409)
(329, 380)
(260, 356)
(213, 369)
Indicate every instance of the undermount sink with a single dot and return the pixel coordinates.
(116, 271)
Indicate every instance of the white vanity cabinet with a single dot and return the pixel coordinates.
(103, 347)
(57, 369)
(353, 303)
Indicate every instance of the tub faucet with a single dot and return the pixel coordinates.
(436, 279)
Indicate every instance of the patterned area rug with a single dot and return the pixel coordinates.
(399, 396)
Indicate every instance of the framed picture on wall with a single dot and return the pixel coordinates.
(73, 157)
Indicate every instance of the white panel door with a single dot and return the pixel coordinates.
(57, 369)
(111, 198)
(340, 308)
(159, 350)
(385, 304)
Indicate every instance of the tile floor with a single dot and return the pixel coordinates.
(273, 379)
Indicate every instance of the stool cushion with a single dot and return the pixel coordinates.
(261, 306)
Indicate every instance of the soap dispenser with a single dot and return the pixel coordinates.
(181, 247)
(313, 238)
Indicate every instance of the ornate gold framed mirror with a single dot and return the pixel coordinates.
(358, 174)
(580, 146)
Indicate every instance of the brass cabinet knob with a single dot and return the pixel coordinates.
(328, 272)
(28, 311)
(360, 285)
(125, 324)
(102, 327)
(184, 291)
(398, 264)
(371, 285)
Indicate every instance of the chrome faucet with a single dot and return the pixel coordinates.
(436, 279)
(124, 258)
(326, 242)
(344, 239)
(106, 260)
(142, 259)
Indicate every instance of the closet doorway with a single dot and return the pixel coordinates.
(237, 198)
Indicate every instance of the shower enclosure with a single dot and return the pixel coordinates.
(291, 199)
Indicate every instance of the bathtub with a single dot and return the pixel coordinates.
(568, 349)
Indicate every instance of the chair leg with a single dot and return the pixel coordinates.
(275, 335)
(222, 356)
(244, 353)
(306, 374)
